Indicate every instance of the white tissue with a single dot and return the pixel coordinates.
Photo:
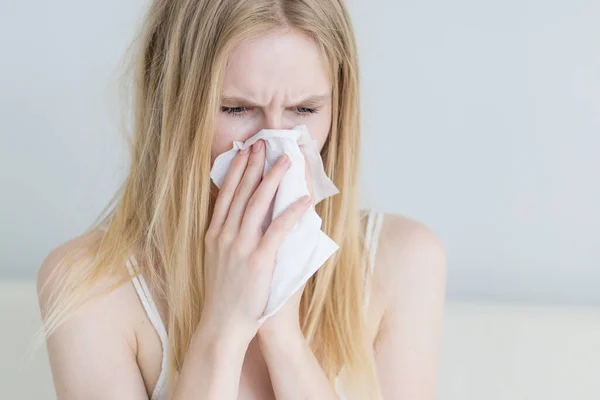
(305, 248)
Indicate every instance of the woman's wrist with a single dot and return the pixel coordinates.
(213, 361)
(280, 337)
(226, 333)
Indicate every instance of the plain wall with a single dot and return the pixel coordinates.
(480, 119)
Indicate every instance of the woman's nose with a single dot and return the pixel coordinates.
(275, 120)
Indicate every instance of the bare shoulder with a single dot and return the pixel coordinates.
(410, 274)
(117, 304)
(409, 252)
(94, 338)
(50, 279)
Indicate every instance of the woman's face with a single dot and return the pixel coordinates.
(275, 81)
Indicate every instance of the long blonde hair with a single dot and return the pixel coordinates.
(164, 206)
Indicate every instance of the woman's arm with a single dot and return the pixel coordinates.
(213, 366)
(411, 271)
(93, 354)
(294, 370)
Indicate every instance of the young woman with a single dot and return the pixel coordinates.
(160, 299)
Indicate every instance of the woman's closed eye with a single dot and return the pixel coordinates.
(241, 111)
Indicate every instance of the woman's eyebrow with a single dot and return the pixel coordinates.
(308, 101)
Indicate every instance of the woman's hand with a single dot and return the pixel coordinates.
(239, 258)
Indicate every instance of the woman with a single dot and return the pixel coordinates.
(210, 72)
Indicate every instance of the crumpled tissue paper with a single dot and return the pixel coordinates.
(305, 248)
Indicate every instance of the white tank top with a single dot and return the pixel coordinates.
(160, 392)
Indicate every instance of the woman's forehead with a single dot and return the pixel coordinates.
(286, 64)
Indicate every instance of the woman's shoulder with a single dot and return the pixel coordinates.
(106, 329)
(110, 302)
(60, 259)
(405, 242)
(401, 236)
(408, 253)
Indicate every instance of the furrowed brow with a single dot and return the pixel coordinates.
(310, 101)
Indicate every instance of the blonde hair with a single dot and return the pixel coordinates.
(164, 206)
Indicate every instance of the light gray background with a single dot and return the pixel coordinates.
(481, 119)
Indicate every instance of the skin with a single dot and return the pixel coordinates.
(110, 350)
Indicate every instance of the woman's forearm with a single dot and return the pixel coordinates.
(294, 370)
(213, 365)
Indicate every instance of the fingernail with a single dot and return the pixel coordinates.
(284, 159)
(306, 199)
(256, 146)
(245, 151)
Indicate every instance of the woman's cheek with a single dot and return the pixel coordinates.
(226, 133)
(319, 131)
(220, 140)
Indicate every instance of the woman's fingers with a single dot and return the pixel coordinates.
(227, 191)
(247, 186)
(281, 225)
(261, 199)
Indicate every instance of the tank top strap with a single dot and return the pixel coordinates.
(147, 301)
(372, 231)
